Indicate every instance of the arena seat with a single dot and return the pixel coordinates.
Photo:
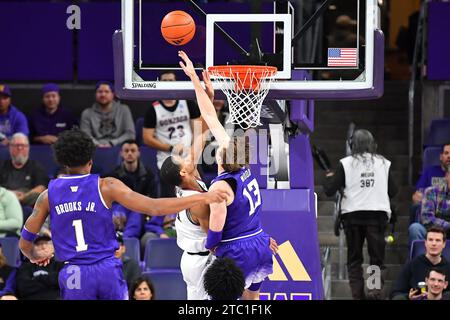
(418, 248)
(162, 254)
(431, 157)
(169, 285)
(133, 247)
(139, 125)
(439, 132)
(4, 153)
(148, 157)
(44, 155)
(10, 248)
(106, 159)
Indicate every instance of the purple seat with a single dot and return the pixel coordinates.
(439, 133)
(169, 285)
(431, 157)
(106, 159)
(10, 248)
(162, 254)
(44, 155)
(133, 248)
(4, 153)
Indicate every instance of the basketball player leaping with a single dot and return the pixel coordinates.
(192, 224)
(81, 221)
(234, 225)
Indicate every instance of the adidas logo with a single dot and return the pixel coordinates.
(177, 42)
(292, 263)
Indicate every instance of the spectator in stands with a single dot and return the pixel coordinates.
(367, 184)
(435, 208)
(168, 128)
(36, 282)
(416, 270)
(11, 119)
(7, 279)
(131, 269)
(431, 176)
(142, 289)
(224, 280)
(108, 122)
(137, 177)
(11, 217)
(25, 177)
(436, 282)
(50, 118)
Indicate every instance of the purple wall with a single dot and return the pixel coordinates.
(36, 44)
(438, 41)
(98, 23)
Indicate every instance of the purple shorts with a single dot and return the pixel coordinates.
(252, 255)
(99, 281)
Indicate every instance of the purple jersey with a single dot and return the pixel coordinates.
(81, 224)
(243, 214)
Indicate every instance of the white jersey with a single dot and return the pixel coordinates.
(196, 258)
(172, 127)
(366, 184)
(190, 236)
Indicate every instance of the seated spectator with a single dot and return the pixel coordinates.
(131, 269)
(436, 282)
(36, 282)
(7, 279)
(224, 280)
(132, 171)
(416, 270)
(435, 208)
(50, 118)
(25, 177)
(108, 122)
(431, 176)
(11, 216)
(142, 289)
(11, 119)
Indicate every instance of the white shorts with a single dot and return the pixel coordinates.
(193, 267)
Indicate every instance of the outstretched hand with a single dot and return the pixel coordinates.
(208, 85)
(43, 261)
(187, 66)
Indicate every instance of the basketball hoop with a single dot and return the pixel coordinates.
(246, 88)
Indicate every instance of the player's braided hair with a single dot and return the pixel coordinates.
(74, 148)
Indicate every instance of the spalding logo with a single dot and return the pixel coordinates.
(148, 85)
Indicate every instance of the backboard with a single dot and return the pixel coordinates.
(322, 49)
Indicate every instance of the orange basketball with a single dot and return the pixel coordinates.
(178, 27)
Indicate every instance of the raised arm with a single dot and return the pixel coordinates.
(114, 190)
(204, 102)
(32, 227)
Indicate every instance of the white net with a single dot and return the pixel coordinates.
(245, 87)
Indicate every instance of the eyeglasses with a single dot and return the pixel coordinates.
(19, 145)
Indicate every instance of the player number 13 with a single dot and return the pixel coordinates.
(253, 188)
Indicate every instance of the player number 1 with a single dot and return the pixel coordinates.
(81, 244)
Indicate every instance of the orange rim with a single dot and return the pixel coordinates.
(241, 70)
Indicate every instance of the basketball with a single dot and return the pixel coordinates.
(178, 28)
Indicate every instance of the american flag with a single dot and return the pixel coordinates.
(342, 57)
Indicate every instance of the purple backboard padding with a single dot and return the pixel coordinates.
(302, 111)
(98, 23)
(36, 44)
(438, 50)
(301, 163)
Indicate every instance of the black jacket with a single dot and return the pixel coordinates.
(143, 181)
(131, 271)
(414, 272)
(38, 283)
